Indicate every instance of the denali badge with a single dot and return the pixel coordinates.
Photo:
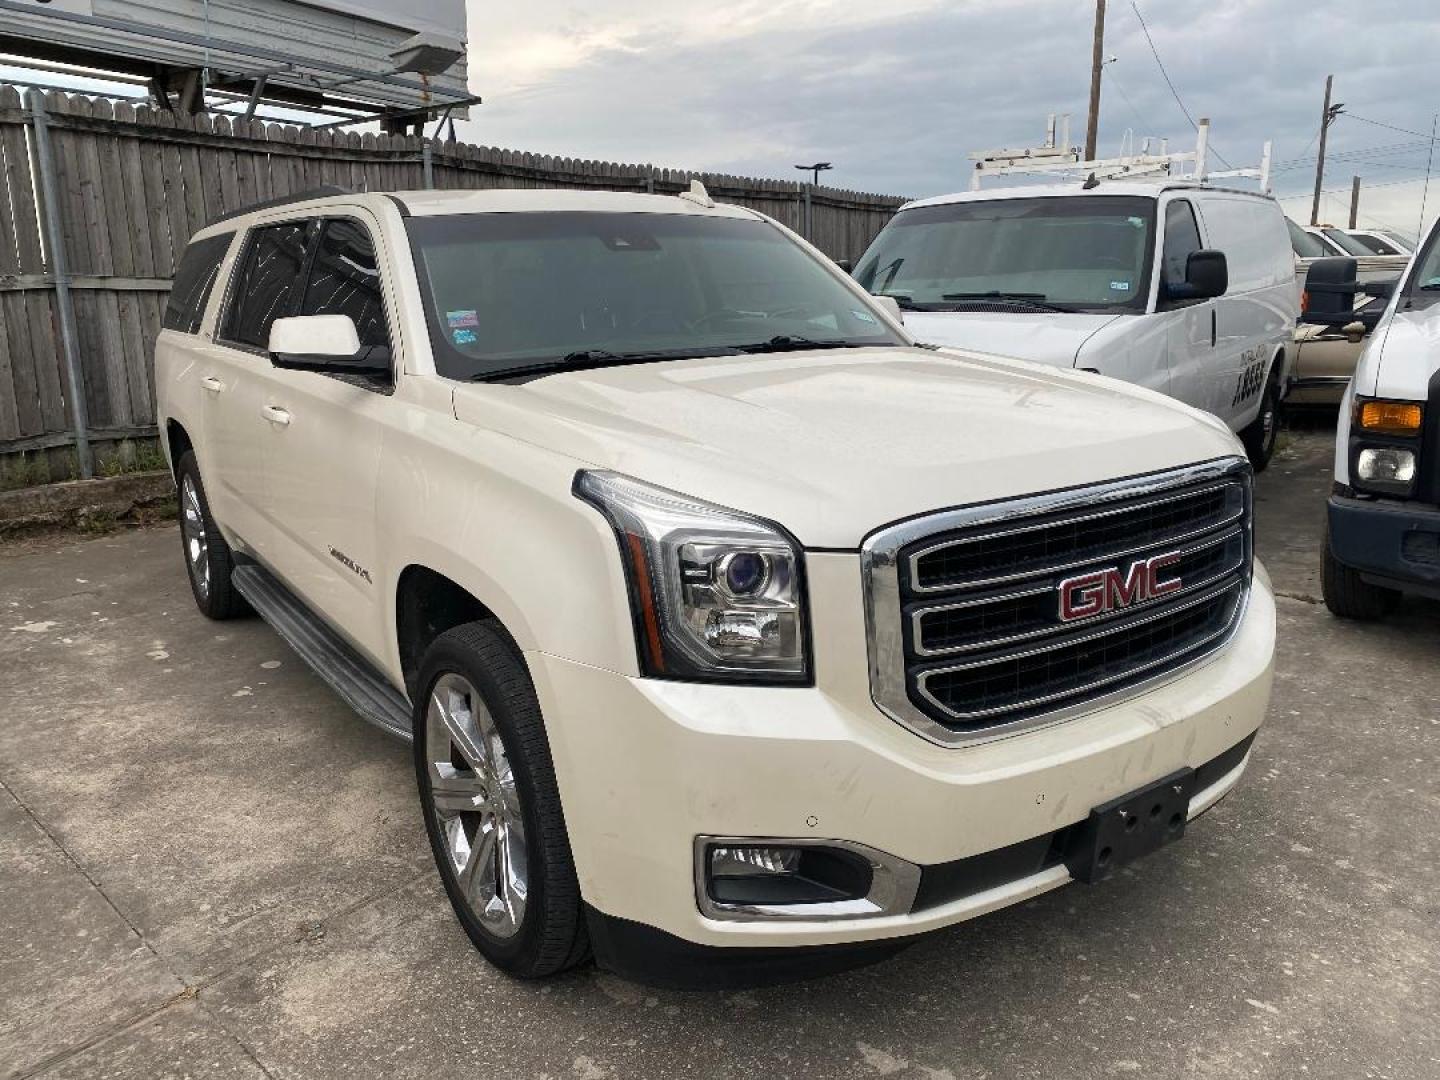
(1106, 590)
(345, 560)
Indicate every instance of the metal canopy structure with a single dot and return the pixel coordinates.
(351, 61)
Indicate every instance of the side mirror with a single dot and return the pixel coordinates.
(1354, 332)
(1207, 274)
(327, 343)
(891, 306)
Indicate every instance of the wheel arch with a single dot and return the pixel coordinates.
(177, 440)
(427, 604)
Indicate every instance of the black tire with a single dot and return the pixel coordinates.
(1261, 435)
(551, 936)
(1348, 595)
(208, 562)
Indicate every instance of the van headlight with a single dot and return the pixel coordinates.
(1385, 438)
(715, 594)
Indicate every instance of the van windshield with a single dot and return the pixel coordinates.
(523, 294)
(1076, 253)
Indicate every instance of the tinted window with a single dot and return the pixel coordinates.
(1081, 252)
(1182, 237)
(1305, 244)
(266, 283)
(194, 278)
(1347, 243)
(1376, 244)
(345, 280)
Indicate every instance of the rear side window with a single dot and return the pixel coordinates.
(345, 280)
(1182, 237)
(267, 283)
(194, 278)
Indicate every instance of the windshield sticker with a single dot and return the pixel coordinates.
(463, 337)
(1119, 286)
(462, 318)
(863, 316)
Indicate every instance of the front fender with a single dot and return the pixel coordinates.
(497, 517)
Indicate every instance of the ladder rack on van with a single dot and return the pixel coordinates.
(1053, 158)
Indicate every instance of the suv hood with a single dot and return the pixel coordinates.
(835, 444)
(1406, 349)
(1045, 337)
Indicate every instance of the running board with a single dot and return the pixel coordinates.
(349, 674)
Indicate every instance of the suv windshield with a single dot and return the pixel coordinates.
(511, 294)
(1076, 253)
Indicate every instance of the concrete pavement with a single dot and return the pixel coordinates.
(212, 868)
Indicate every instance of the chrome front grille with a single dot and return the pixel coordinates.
(967, 636)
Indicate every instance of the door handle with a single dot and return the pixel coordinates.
(276, 415)
(212, 384)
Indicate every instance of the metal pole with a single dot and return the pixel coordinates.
(1354, 200)
(1320, 159)
(1097, 61)
(1202, 147)
(427, 165)
(1429, 162)
(60, 271)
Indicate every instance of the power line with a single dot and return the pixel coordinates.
(1175, 93)
(1392, 127)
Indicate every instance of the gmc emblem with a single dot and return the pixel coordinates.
(1099, 591)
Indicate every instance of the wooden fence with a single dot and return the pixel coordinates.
(134, 182)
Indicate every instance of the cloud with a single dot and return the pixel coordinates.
(898, 94)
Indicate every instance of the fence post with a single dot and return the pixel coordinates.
(427, 163)
(809, 215)
(60, 272)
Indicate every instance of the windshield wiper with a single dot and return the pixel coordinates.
(1031, 300)
(583, 359)
(795, 343)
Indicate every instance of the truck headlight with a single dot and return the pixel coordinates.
(715, 594)
(1386, 465)
(1385, 439)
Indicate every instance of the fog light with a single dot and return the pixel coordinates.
(745, 861)
(1386, 465)
(777, 877)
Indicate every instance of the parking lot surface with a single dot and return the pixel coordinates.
(209, 867)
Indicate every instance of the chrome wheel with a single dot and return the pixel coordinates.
(477, 806)
(192, 530)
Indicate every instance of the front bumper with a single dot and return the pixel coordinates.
(1391, 542)
(646, 766)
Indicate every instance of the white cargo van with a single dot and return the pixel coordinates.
(1177, 286)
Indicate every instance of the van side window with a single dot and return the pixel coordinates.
(266, 284)
(1182, 236)
(345, 280)
(194, 278)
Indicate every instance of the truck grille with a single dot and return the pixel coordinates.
(988, 620)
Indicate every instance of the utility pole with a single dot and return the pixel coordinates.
(1327, 117)
(1354, 200)
(1097, 61)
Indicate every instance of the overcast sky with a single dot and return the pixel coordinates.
(897, 93)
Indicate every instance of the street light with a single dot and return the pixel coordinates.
(816, 169)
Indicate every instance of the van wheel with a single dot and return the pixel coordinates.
(207, 557)
(492, 805)
(1348, 595)
(1262, 433)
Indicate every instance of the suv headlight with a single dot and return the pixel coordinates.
(715, 594)
(1385, 445)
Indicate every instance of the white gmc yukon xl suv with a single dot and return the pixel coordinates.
(736, 634)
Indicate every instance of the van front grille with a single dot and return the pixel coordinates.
(990, 619)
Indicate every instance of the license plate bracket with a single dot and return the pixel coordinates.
(1132, 826)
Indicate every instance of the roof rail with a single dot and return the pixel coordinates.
(284, 200)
